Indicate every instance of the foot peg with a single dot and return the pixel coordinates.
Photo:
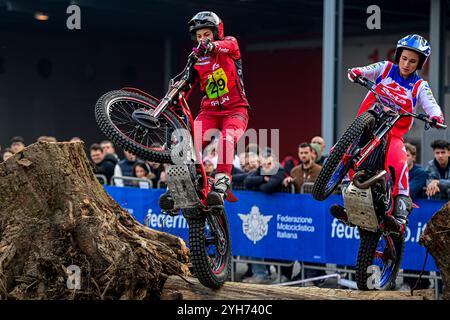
(214, 200)
(339, 213)
(166, 202)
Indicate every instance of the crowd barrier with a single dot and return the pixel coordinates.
(291, 227)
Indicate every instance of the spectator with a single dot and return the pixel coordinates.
(209, 166)
(124, 168)
(438, 183)
(417, 175)
(159, 170)
(254, 162)
(17, 144)
(108, 148)
(7, 154)
(211, 152)
(268, 178)
(75, 139)
(316, 153)
(243, 161)
(289, 162)
(249, 163)
(104, 164)
(46, 139)
(306, 171)
(321, 142)
(237, 162)
(142, 171)
(253, 147)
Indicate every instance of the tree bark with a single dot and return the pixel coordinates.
(55, 214)
(176, 288)
(436, 238)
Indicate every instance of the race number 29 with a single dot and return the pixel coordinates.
(373, 281)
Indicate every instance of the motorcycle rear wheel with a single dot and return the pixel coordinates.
(210, 248)
(376, 266)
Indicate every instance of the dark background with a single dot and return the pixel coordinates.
(51, 77)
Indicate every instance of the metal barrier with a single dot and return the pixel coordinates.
(289, 189)
(240, 187)
(102, 178)
(278, 264)
(137, 182)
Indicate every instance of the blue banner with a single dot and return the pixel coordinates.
(282, 226)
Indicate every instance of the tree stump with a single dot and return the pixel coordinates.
(54, 214)
(436, 238)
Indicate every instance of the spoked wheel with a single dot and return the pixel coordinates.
(339, 162)
(379, 260)
(119, 115)
(210, 246)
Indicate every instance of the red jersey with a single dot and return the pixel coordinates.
(220, 75)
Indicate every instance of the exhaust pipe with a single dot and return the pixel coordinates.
(369, 182)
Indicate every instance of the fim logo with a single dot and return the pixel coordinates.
(255, 225)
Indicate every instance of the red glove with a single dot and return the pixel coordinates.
(204, 49)
(437, 119)
(353, 74)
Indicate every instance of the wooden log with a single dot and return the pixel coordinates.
(436, 238)
(54, 214)
(176, 288)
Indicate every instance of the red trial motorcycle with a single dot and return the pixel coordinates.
(162, 131)
(367, 197)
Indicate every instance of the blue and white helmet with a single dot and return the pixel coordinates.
(415, 43)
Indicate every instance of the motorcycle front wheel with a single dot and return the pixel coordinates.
(114, 115)
(338, 163)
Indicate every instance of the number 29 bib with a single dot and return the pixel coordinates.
(217, 84)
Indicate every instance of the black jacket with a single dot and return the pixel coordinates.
(255, 181)
(106, 167)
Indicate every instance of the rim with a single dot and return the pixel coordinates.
(344, 165)
(120, 110)
(385, 258)
(216, 249)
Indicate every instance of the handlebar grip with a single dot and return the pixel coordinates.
(438, 125)
(361, 80)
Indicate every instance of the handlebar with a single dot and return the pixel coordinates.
(369, 85)
(193, 55)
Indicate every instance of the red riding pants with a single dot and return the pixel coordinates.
(232, 125)
(396, 161)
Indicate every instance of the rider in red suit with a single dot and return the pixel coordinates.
(402, 84)
(224, 105)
